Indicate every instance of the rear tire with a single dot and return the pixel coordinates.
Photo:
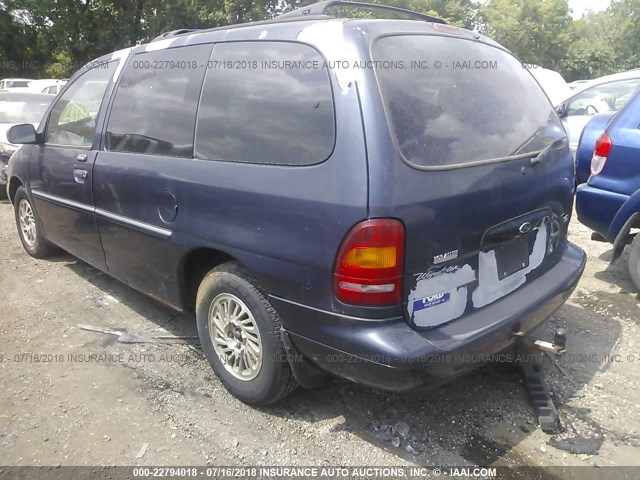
(240, 336)
(634, 261)
(30, 229)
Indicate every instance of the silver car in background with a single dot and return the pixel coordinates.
(605, 94)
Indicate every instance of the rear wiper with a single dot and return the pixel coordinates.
(538, 158)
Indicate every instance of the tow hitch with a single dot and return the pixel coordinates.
(558, 347)
(532, 369)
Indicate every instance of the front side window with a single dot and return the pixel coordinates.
(266, 102)
(154, 109)
(73, 117)
(608, 97)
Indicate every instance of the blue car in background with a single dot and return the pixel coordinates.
(609, 201)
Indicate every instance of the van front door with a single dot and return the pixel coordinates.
(61, 168)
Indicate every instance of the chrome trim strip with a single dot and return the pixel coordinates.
(162, 232)
(63, 201)
(126, 221)
(334, 314)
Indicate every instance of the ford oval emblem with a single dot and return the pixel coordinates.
(525, 228)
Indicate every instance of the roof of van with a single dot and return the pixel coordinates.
(317, 11)
(326, 32)
(334, 29)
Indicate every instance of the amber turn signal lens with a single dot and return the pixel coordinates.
(371, 257)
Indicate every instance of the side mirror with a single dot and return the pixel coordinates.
(561, 110)
(22, 134)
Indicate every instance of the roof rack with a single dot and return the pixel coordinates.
(310, 12)
(184, 31)
(174, 33)
(321, 8)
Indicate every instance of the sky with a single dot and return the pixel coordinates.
(580, 7)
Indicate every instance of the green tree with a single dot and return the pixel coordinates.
(536, 31)
(605, 42)
(20, 54)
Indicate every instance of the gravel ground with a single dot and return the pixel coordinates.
(76, 397)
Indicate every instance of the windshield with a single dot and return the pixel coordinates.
(16, 108)
(453, 102)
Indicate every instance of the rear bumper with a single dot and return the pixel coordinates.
(597, 208)
(391, 355)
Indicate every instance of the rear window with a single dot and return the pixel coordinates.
(452, 102)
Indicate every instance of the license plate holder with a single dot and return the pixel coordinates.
(512, 256)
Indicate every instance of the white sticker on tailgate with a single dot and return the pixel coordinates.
(441, 298)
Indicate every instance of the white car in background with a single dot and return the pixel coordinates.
(605, 94)
(553, 84)
(50, 86)
(11, 83)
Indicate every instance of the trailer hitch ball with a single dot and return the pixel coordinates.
(557, 348)
(560, 339)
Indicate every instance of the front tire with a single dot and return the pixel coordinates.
(30, 229)
(634, 261)
(240, 336)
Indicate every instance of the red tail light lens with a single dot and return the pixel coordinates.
(369, 264)
(603, 147)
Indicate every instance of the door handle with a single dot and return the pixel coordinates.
(79, 174)
(81, 157)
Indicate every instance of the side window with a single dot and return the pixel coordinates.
(154, 109)
(608, 97)
(266, 102)
(73, 117)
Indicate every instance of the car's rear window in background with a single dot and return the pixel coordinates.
(452, 102)
(266, 102)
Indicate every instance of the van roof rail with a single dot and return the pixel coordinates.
(320, 8)
(173, 33)
(184, 31)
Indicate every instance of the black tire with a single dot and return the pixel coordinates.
(40, 247)
(274, 379)
(634, 261)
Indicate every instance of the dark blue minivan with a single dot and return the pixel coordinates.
(383, 200)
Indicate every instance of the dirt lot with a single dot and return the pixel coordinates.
(61, 406)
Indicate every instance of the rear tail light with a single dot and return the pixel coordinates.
(369, 264)
(603, 147)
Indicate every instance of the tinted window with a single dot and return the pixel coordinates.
(154, 110)
(608, 97)
(273, 106)
(453, 101)
(73, 118)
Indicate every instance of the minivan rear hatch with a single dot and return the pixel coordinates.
(482, 177)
